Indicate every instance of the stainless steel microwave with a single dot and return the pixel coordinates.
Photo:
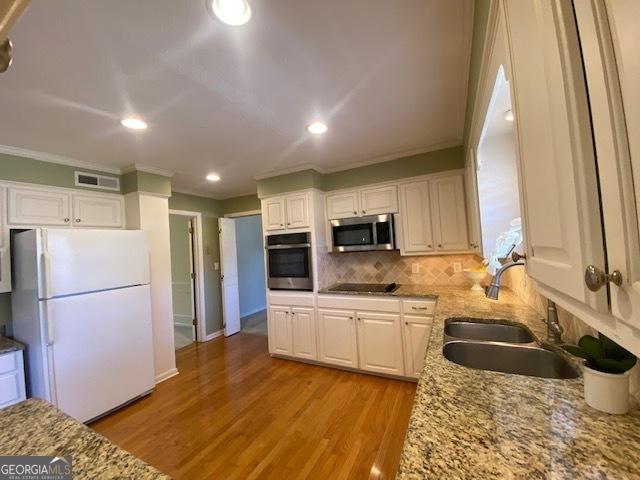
(373, 232)
(289, 264)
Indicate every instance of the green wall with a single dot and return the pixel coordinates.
(480, 23)
(137, 181)
(404, 167)
(246, 203)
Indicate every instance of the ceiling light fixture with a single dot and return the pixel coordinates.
(231, 12)
(212, 177)
(134, 123)
(317, 128)
(508, 115)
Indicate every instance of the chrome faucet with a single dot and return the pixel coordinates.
(493, 290)
(554, 329)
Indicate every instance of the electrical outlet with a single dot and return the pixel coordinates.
(457, 267)
(415, 268)
(216, 266)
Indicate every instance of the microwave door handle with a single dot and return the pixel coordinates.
(374, 226)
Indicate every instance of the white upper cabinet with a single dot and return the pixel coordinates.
(343, 205)
(415, 216)
(557, 167)
(473, 203)
(338, 343)
(449, 213)
(28, 206)
(297, 210)
(100, 212)
(379, 200)
(273, 213)
(380, 343)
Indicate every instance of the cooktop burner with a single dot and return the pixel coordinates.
(365, 287)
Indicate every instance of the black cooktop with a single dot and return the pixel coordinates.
(365, 287)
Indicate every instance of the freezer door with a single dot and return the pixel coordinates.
(79, 261)
(101, 349)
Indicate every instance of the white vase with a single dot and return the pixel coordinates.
(607, 392)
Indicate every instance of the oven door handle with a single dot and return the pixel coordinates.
(286, 247)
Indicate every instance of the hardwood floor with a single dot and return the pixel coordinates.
(235, 412)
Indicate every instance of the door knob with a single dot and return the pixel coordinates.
(596, 278)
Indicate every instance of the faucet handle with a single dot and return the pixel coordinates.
(516, 257)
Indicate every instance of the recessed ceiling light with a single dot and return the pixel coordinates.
(231, 12)
(212, 177)
(134, 123)
(508, 115)
(317, 128)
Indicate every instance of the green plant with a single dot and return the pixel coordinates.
(602, 354)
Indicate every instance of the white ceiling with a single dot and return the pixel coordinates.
(388, 77)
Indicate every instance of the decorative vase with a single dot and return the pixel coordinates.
(607, 392)
(475, 278)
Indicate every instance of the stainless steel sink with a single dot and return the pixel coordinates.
(509, 358)
(476, 329)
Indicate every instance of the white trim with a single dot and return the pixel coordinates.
(69, 190)
(166, 375)
(141, 167)
(150, 194)
(285, 171)
(253, 312)
(216, 334)
(79, 173)
(246, 213)
(59, 159)
(201, 314)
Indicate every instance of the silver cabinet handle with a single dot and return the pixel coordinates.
(419, 308)
(66, 220)
(596, 278)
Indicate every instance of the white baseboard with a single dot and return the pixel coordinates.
(166, 375)
(213, 335)
(254, 311)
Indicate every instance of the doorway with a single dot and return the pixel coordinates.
(186, 279)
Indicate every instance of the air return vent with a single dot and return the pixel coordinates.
(91, 180)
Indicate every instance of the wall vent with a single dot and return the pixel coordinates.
(91, 180)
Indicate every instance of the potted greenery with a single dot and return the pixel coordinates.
(606, 372)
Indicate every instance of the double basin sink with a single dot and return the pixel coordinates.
(502, 346)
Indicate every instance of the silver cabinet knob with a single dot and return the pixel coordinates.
(364, 211)
(429, 246)
(66, 220)
(355, 213)
(596, 278)
(439, 245)
(78, 220)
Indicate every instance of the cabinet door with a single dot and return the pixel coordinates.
(304, 333)
(280, 338)
(557, 166)
(94, 211)
(375, 201)
(449, 213)
(473, 203)
(5, 251)
(415, 215)
(298, 211)
(273, 213)
(337, 337)
(380, 343)
(38, 207)
(343, 205)
(416, 331)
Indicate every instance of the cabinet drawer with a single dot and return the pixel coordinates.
(369, 303)
(10, 390)
(291, 299)
(419, 307)
(8, 362)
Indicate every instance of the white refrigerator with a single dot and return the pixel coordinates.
(81, 303)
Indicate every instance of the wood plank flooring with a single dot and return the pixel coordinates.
(235, 412)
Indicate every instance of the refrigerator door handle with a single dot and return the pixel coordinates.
(45, 287)
(48, 319)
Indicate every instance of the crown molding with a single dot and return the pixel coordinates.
(141, 167)
(59, 159)
(285, 171)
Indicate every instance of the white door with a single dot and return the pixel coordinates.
(78, 261)
(557, 168)
(273, 213)
(473, 203)
(38, 207)
(94, 211)
(375, 201)
(415, 215)
(229, 276)
(280, 335)
(304, 333)
(449, 213)
(102, 349)
(5, 251)
(338, 338)
(380, 342)
(297, 211)
(343, 205)
(416, 332)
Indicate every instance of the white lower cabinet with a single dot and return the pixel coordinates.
(280, 334)
(337, 337)
(12, 386)
(303, 322)
(416, 332)
(380, 343)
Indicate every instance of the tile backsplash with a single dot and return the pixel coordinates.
(389, 266)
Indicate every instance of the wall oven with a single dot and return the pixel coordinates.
(289, 261)
(373, 232)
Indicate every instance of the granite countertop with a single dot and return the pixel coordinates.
(8, 345)
(415, 291)
(34, 427)
(476, 424)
